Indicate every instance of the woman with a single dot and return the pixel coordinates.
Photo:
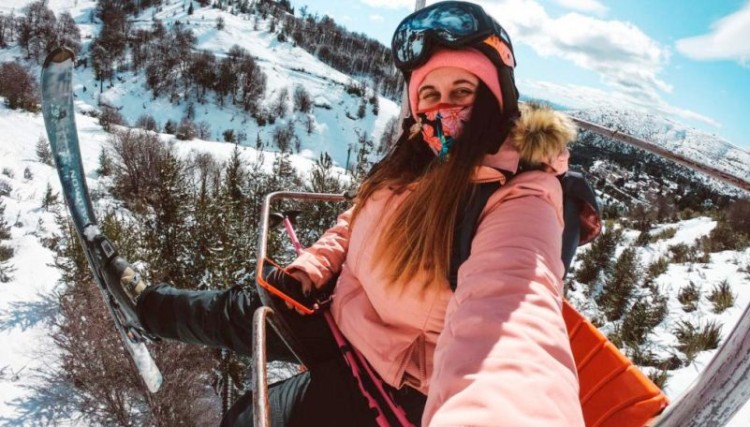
(495, 351)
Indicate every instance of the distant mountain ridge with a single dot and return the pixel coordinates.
(676, 137)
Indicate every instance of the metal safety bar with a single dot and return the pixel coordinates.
(262, 316)
(266, 315)
(266, 215)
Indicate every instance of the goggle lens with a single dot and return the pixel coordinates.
(449, 22)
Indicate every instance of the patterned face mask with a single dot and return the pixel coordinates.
(441, 126)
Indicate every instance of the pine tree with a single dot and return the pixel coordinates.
(362, 109)
(106, 164)
(362, 168)
(50, 198)
(168, 229)
(599, 257)
(322, 176)
(6, 252)
(641, 319)
(230, 225)
(618, 289)
(43, 152)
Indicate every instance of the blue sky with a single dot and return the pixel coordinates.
(688, 60)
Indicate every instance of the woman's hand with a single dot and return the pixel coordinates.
(296, 284)
(305, 284)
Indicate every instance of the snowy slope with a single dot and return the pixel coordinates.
(285, 66)
(27, 303)
(728, 265)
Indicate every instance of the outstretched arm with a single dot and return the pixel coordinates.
(504, 357)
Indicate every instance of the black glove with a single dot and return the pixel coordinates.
(287, 284)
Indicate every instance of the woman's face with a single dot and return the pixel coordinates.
(447, 85)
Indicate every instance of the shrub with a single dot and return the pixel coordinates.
(644, 237)
(229, 135)
(689, 296)
(27, 175)
(185, 130)
(355, 89)
(9, 172)
(659, 377)
(139, 157)
(302, 100)
(694, 339)
(738, 216)
(147, 122)
(682, 253)
(5, 188)
(667, 233)
(110, 116)
(619, 288)
(642, 357)
(656, 269)
(170, 127)
(642, 318)
(722, 297)
(723, 237)
(19, 87)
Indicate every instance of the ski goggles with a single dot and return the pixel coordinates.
(453, 24)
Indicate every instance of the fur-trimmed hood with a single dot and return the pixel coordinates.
(542, 134)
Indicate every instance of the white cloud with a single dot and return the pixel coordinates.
(620, 52)
(591, 6)
(728, 40)
(628, 61)
(390, 4)
(377, 18)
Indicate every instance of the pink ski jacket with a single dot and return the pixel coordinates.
(495, 352)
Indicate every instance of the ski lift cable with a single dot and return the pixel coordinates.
(726, 177)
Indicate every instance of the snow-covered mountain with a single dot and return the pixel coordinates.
(678, 138)
(335, 125)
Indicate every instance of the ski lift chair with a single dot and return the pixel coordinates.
(614, 393)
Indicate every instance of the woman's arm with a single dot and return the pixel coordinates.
(503, 357)
(324, 258)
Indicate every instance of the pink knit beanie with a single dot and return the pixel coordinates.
(470, 60)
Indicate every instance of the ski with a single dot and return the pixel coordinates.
(106, 266)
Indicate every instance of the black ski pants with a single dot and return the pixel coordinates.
(325, 395)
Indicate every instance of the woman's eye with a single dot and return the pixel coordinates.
(463, 92)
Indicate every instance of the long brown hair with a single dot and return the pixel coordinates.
(417, 237)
